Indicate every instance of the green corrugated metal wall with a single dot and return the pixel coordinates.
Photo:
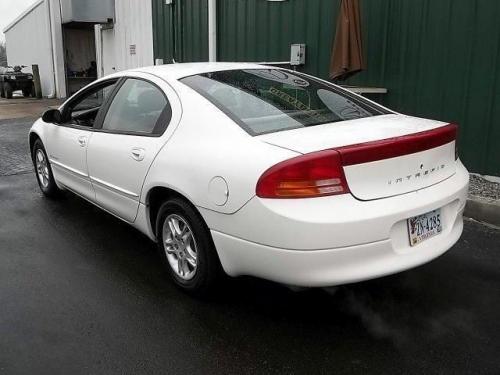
(180, 30)
(259, 30)
(438, 58)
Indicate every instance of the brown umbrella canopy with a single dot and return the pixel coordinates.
(347, 54)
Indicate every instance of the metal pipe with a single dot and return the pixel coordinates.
(212, 30)
(53, 93)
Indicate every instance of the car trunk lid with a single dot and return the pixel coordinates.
(382, 156)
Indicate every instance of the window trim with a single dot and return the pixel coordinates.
(338, 90)
(85, 92)
(217, 104)
(165, 117)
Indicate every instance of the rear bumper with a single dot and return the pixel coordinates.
(328, 267)
(335, 240)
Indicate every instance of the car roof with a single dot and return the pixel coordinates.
(181, 70)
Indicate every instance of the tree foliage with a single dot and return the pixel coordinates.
(3, 54)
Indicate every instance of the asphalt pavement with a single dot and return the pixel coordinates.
(83, 293)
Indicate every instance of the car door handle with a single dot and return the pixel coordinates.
(82, 140)
(138, 154)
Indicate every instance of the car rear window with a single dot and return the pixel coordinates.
(270, 100)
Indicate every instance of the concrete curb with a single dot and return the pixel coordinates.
(484, 210)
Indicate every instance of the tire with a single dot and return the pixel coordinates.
(2, 93)
(43, 171)
(7, 87)
(203, 280)
(27, 92)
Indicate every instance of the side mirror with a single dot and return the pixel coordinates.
(52, 116)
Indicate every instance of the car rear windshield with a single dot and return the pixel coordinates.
(270, 100)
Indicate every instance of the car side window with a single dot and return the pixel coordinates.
(83, 111)
(139, 107)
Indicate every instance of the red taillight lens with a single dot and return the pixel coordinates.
(398, 146)
(321, 173)
(313, 175)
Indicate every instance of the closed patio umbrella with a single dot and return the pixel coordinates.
(347, 54)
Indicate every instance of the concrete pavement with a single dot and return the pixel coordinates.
(20, 107)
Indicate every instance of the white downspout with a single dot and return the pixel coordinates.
(212, 30)
(57, 47)
(53, 93)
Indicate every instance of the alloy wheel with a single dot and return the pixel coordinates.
(42, 168)
(180, 247)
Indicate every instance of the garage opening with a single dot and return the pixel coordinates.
(80, 55)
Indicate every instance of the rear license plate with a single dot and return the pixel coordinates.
(423, 227)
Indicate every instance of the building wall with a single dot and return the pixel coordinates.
(438, 59)
(36, 38)
(133, 26)
(97, 11)
(180, 31)
(28, 43)
(262, 31)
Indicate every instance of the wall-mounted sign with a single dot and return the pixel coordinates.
(132, 49)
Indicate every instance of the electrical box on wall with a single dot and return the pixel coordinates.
(297, 54)
(169, 2)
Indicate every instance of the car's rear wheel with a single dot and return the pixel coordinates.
(43, 171)
(7, 87)
(186, 248)
(2, 93)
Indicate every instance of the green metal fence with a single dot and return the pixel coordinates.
(438, 58)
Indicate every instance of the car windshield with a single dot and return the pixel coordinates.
(269, 100)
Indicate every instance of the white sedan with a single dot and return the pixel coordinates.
(246, 169)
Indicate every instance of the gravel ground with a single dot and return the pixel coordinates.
(480, 187)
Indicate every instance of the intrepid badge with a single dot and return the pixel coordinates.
(422, 174)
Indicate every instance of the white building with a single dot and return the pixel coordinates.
(76, 41)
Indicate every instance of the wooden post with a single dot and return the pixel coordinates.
(36, 81)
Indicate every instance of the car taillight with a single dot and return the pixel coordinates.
(321, 173)
(397, 146)
(313, 175)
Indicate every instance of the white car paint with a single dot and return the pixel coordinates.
(114, 167)
(211, 161)
(67, 151)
